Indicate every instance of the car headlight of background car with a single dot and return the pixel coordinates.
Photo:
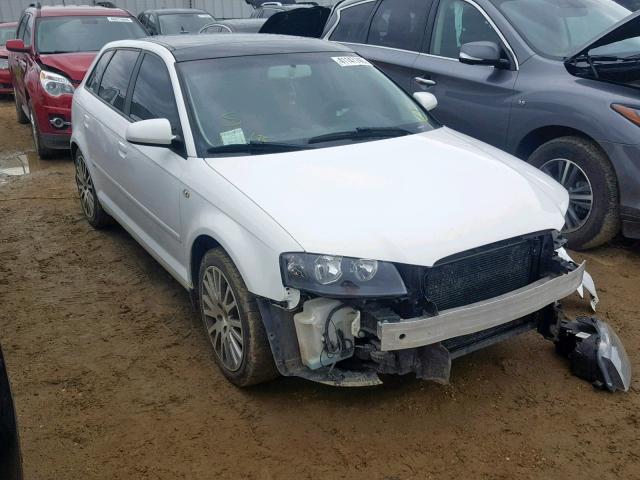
(341, 276)
(54, 84)
(4, 64)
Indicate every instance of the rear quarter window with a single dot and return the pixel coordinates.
(353, 23)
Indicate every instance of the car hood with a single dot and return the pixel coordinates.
(303, 22)
(72, 65)
(412, 199)
(628, 27)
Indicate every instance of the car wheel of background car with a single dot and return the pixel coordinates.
(233, 323)
(91, 207)
(43, 152)
(585, 171)
(20, 116)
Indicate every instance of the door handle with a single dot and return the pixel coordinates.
(122, 149)
(425, 82)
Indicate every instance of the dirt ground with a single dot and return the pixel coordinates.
(113, 378)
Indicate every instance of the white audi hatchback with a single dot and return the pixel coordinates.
(324, 224)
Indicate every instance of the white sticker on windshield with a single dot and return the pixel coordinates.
(120, 19)
(233, 137)
(203, 15)
(350, 61)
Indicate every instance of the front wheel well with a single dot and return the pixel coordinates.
(200, 247)
(542, 135)
(74, 149)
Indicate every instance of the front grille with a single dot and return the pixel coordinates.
(482, 273)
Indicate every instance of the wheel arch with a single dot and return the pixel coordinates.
(542, 135)
(200, 246)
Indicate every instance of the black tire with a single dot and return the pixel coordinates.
(43, 152)
(256, 364)
(602, 223)
(20, 115)
(89, 203)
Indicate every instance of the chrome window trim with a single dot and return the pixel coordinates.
(338, 14)
(470, 2)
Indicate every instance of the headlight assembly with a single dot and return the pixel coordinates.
(54, 84)
(4, 64)
(630, 113)
(341, 276)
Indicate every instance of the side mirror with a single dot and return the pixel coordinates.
(16, 45)
(482, 53)
(426, 99)
(154, 133)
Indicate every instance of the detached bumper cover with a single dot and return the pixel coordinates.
(418, 332)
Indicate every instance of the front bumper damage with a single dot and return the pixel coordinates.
(382, 342)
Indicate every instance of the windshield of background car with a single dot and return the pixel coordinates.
(7, 33)
(290, 98)
(83, 33)
(183, 22)
(558, 28)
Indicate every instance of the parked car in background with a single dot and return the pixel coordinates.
(265, 10)
(239, 25)
(352, 246)
(554, 83)
(172, 21)
(49, 58)
(7, 32)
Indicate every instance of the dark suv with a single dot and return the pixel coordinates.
(555, 82)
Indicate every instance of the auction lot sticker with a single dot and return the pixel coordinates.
(120, 19)
(350, 61)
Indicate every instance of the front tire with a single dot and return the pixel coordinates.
(232, 322)
(581, 167)
(43, 152)
(20, 116)
(91, 207)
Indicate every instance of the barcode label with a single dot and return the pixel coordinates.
(350, 61)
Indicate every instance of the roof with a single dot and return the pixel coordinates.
(197, 47)
(286, 6)
(74, 10)
(175, 11)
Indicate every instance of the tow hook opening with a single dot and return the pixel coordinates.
(595, 353)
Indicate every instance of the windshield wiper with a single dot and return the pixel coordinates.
(257, 148)
(361, 133)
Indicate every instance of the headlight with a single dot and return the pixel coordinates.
(630, 113)
(4, 64)
(341, 276)
(54, 84)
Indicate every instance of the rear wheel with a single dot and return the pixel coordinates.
(43, 152)
(89, 202)
(585, 171)
(20, 115)
(232, 322)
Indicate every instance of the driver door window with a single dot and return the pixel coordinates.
(458, 22)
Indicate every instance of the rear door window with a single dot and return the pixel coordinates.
(93, 82)
(399, 24)
(153, 93)
(458, 22)
(353, 23)
(115, 81)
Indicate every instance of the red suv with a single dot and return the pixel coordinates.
(7, 32)
(49, 58)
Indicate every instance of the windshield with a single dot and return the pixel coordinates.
(183, 22)
(84, 33)
(7, 33)
(558, 28)
(295, 99)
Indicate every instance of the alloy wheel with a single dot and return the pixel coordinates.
(222, 318)
(85, 187)
(575, 180)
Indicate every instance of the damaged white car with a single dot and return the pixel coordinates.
(326, 226)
